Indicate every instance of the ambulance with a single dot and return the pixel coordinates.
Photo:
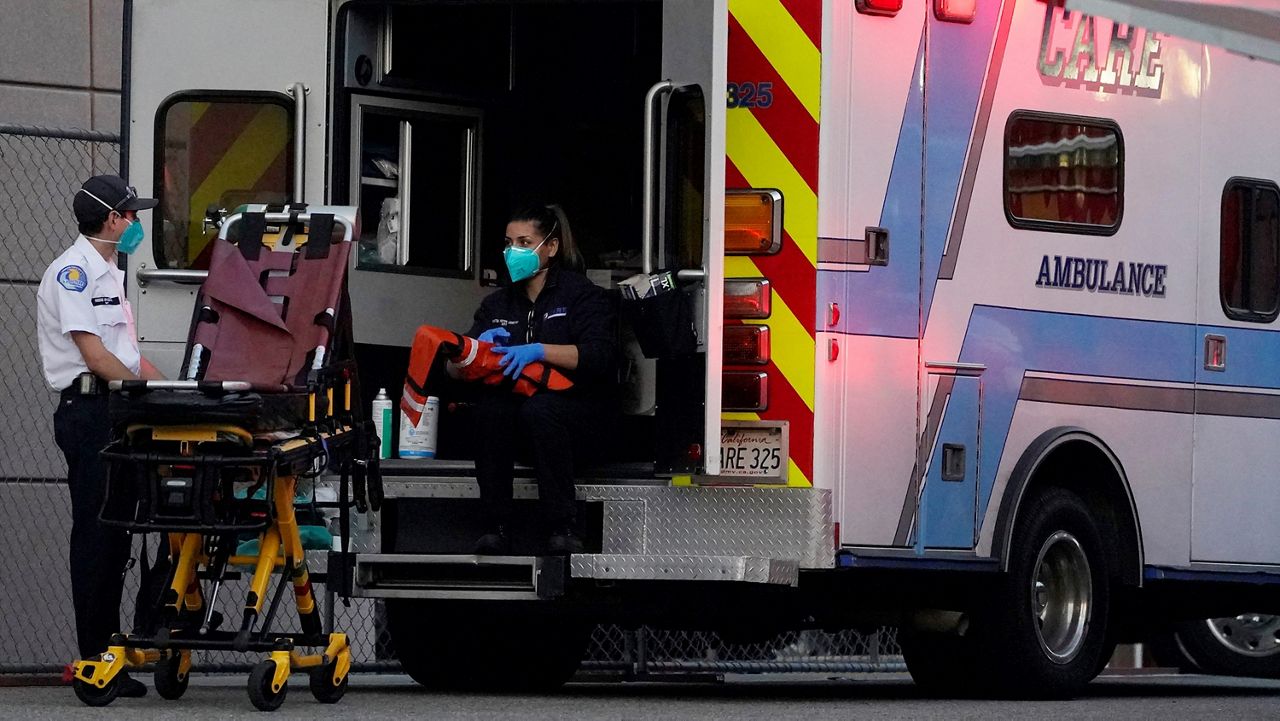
(975, 330)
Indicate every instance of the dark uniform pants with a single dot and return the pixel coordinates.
(557, 426)
(98, 554)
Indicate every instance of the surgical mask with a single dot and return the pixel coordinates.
(132, 236)
(522, 263)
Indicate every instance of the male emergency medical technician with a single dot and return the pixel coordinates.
(87, 338)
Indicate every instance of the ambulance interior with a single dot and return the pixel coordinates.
(449, 116)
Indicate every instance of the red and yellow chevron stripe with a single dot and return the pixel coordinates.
(235, 151)
(779, 42)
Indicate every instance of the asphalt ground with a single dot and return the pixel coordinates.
(771, 697)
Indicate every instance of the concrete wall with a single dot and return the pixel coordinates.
(60, 63)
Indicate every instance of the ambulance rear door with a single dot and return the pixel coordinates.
(226, 107)
(684, 220)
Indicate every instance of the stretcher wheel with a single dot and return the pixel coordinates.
(322, 686)
(92, 695)
(260, 693)
(168, 684)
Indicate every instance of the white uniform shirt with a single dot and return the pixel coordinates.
(81, 291)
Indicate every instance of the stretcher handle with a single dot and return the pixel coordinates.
(206, 386)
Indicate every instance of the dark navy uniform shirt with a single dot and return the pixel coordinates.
(570, 310)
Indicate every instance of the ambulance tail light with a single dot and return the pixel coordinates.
(744, 391)
(955, 11)
(878, 7)
(752, 221)
(746, 344)
(747, 298)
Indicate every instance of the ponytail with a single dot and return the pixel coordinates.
(552, 222)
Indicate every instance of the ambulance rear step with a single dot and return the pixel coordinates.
(397, 575)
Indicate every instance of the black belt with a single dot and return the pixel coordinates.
(85, 384)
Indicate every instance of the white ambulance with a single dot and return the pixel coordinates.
(984, 295)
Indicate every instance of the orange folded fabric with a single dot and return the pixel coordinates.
(474, 361)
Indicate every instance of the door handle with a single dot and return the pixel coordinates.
(648, 197)
(1215, 352)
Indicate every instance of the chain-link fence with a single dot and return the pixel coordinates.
(39, 172)
(648, 651)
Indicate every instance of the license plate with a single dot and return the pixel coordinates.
(753, 451)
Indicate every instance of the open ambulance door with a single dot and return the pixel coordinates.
(683, 224)
(225, 100)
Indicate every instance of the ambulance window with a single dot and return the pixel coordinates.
(1249, 273)
(216, 150)
(415, 179)
(1063, 173)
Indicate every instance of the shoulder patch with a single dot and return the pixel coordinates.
(73, 278)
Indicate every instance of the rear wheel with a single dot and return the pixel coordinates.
(503, 646)
(1244, 645)
(1044, 630)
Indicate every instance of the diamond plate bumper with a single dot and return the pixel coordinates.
(743, 569)
(728, 527)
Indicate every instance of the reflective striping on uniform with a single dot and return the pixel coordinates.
(776, 42)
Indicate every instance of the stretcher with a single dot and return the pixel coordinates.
(214, 462)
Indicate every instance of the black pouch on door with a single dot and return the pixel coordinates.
(663, 324)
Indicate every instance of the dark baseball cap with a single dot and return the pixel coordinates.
(103, 193)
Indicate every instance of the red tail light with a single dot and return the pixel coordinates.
(878, 7)
(747, 298)
(955, 11)
(744, 391)
(746, 344)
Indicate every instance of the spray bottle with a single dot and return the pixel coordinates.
(382, 422)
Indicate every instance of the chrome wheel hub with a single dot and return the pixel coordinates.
(1250, 634)
(1061, 594)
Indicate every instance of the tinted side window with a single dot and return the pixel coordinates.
(218, 151)
(1063, 173)
(1249, 269)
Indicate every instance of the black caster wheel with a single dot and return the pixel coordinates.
(170, 684)
(261, 693)
(323, 687)
(91, 695)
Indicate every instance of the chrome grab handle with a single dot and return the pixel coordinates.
(147, 276)
(647, 197)
(299, 93)
(969, 369)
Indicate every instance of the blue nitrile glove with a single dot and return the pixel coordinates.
(496, 336)
(516, 357)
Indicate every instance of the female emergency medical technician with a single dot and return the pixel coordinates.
(552, 313)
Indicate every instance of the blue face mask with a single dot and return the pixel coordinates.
(131, 238)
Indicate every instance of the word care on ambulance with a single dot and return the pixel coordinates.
(1098, 275)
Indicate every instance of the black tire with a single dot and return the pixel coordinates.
(91, 695)
(322, 686)
(261, 695)
(942, 665)
(1043, 631)
(1244, 645)
(1163, 648)
(168, 683)
(502, 647)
